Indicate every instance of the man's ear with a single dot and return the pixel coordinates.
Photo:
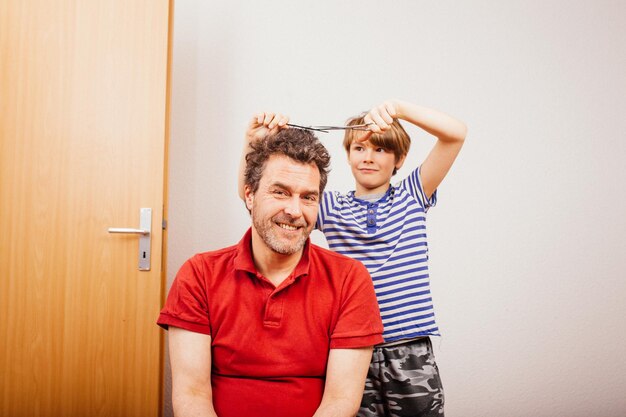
(248, 197)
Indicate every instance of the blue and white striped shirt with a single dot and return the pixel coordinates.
(389, 237)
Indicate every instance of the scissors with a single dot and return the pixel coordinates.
(327, 129)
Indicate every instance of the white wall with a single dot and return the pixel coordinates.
(527, 241)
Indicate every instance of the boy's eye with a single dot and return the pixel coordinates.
(381, 150)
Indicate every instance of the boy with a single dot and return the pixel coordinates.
(383, 226)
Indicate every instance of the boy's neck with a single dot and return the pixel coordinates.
(369, 193)
(370, 198)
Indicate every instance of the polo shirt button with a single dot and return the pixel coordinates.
(371, 212)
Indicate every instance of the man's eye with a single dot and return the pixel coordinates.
(279, 192)
(311, 198)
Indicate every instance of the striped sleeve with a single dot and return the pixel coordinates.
(413, 185)
(327, 205)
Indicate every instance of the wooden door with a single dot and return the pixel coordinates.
(83, 123)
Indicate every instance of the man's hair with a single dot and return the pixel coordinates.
(298, 144)
(395, 139)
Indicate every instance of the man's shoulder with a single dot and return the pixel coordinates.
(322, 255)
(212, 257)
(218, 253)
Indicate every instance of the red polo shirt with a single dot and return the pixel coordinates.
(270, 344)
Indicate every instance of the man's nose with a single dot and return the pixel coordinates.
(294, 207)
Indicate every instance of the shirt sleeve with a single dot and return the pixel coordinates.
(359, 323)
(186, 306)
(413, 184)
(325, 203)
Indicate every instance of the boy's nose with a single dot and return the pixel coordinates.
(368, 155)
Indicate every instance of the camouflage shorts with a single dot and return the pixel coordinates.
(402, 381)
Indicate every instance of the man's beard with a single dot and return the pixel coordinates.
(270, 236)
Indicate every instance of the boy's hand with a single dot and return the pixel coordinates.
(263, 124)
(381, 117)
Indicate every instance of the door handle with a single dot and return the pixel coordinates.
(128, 230)
(145, 228)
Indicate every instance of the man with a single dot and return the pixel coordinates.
(273, 326)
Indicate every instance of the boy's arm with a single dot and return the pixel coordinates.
(449, 131)
(261, 125)
(345, 379)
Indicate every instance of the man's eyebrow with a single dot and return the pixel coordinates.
(278, 184)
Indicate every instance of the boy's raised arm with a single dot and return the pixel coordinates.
(449, 131)
(261, 125)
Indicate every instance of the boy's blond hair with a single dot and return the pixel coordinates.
(395, 139)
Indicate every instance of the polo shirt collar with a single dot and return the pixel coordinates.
(243, 260)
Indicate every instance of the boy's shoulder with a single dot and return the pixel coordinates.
(339, 194)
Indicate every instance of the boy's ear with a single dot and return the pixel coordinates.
(400, 162)
(248, 197)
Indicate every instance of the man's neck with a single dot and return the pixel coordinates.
(272, 265)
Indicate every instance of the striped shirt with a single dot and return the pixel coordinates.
(389, 237)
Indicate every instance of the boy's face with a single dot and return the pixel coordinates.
(372, 167)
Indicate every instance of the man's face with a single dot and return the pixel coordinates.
(284, 208)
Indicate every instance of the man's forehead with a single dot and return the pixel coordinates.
(282, 170)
